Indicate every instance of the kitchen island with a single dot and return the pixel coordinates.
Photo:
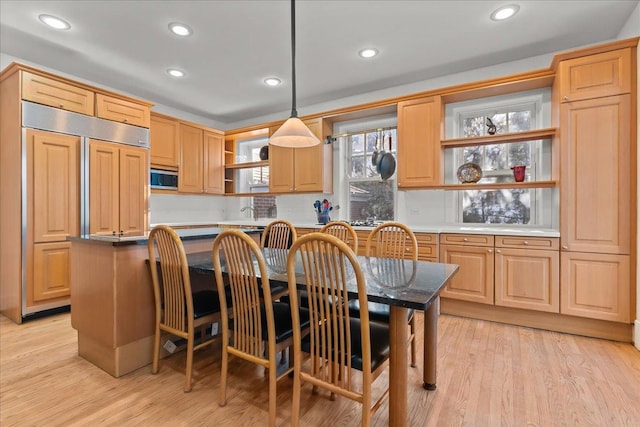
(112, 302)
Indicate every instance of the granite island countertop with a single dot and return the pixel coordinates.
(184, 233)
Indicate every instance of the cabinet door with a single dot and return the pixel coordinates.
(596, 286)
(281, 172)
(596, 161)
(164, 142)
(54, 93)
(54, 170)
(122, 110)
(52, 271)
(474, 280)
(528, 279)
(191, 160)
(213, 167)
(133, 202)
(308, 168)
(419, 153)
(104, 188)
(595, 76)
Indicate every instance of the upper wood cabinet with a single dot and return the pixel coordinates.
(596, 164)
(419, 153)
(302, 169)
(48, 91)
(201, 161)
(165, 141)
(122, 110)
(595, 76)
(118, 181)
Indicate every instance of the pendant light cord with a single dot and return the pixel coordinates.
(294, 111)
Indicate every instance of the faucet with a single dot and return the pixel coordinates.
(254, 210)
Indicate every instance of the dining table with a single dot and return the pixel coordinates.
(401, 284)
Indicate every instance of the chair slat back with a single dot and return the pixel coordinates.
(342, 231)
(278, 234)
(242, 259)
(392, 240)
(173, 283)
(328, 264)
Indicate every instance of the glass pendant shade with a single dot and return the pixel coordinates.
(294, 134)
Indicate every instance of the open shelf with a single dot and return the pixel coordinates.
(499, 138)
(497, 185)
(248, 165)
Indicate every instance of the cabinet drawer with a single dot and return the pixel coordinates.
(43, 90)
(552, 243)
(121, 110)
(467, 239)
(427, 252)
(595, 76)
(426, 238)
(52, 272)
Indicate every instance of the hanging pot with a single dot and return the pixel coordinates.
(264, 153)
(387, 163)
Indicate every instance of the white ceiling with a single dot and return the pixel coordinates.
(126, 45)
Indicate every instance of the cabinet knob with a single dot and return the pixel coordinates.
(125, 120)
(526, 242)
(565, 98)
(465, 240)
(490, 250)
(61, 105)
(498, 251)
(565, 247)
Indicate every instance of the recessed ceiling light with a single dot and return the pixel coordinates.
(54, 22)
(272, 81)
(505, 12)
(180, 29)
(368, 53)
(175, 72)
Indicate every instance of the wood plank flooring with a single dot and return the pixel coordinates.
(489, 374)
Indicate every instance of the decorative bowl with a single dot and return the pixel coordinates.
(469, 173)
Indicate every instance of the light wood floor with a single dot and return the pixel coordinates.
(488, 375)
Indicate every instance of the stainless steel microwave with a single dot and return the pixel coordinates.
(164, 179)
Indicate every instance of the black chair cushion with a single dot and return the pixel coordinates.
(282, 321)
(205, 303)
(378, 312)
(379, 334)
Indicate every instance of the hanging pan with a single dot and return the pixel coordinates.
(386, 163)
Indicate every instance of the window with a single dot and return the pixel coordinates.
(255, 179)
(501, 206)
(369, 196)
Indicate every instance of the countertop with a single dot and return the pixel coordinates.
(185, 234)
(498, 230)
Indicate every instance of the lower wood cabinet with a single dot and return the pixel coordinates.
(596, 286)
(51, 272)
(474, 280)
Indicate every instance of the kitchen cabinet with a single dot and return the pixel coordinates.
(596, 286)
(53, 186)
(54, 93)
(201, 166)
(474, 254)
(595, 76)
(596, 164)
(427, 246)
(527, 273)
(122, 110)
(419, 153)
(118, 188)
(165, 141)
(302, 169)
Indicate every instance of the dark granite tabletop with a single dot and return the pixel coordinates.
(184, 233)
(411, 284)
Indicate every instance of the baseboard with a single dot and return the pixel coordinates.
(636, 333)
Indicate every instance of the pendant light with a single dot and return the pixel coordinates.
(293, 133)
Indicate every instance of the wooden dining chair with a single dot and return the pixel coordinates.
(338, 343)
(279, 234)
(179, 311)
(257, 327)
(342, 231)
(392, 240)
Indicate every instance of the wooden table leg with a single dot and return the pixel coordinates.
(430, 353)
(398, 367)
